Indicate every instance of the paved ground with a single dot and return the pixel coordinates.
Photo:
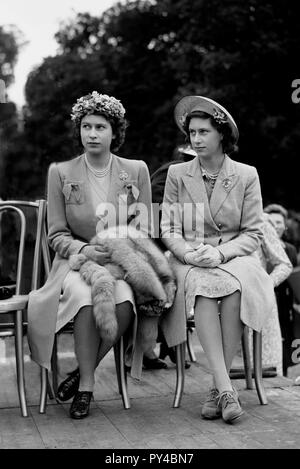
(151, 422)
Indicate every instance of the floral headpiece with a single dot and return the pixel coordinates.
(95, 102)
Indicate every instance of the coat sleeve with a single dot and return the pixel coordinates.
(172, 219)
(277, 260)
(145, 199)
(59, 233)
(251, 234)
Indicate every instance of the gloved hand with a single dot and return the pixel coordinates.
(96, 253)
(204, 256)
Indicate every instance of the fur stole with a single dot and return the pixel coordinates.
(142, 264)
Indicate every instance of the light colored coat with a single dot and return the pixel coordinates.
(232, 222)
(71, 224)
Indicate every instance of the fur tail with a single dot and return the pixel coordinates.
(102, 285)
(160, 264)
(139, 273)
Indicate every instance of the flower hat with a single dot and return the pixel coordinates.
(95, 102)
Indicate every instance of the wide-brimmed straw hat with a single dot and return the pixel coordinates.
(189, 104)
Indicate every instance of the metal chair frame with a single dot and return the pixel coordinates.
(18, 303)
(257, 363)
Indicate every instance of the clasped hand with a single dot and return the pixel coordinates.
(204, 256)
(96, 253)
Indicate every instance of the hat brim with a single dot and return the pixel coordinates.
(190, 104)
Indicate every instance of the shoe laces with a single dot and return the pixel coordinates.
(227, 397)
(213, 394)
(83, 399)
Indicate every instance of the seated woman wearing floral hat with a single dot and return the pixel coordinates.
(79, 191)
(212, 224)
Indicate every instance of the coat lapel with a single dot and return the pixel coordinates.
(194, 184)
(227, 179)
(81, 173)
(116, 182)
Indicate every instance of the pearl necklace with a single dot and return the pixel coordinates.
(212, 176)
(99, 173)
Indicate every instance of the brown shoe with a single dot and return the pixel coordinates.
(80, 406)
(230, 406)
(210, 409)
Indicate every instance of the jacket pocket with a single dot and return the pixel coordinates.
(73, 192)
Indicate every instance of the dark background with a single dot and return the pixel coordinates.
(244, 54)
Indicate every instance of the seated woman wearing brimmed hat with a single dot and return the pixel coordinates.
(212, 224)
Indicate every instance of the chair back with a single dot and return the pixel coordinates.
(294, 282)
(41, 255)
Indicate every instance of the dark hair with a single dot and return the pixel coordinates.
(228, 141)
(118, 125)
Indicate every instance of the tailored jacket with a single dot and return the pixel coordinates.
(71, 224)
(231, 221)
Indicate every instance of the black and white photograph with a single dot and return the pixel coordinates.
(149, 227)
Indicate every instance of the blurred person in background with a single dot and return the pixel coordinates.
(285, 298)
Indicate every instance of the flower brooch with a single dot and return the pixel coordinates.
(226, 183)
(123, 175)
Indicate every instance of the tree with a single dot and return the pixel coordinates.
(11, 40)
(149, 54)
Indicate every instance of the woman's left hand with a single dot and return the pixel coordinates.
(208, 256)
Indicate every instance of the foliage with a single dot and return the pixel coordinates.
(148, 54)
(11, 40)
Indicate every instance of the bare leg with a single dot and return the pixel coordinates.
(208, 328)
(125, 316)
(231, 326)
(87, 340)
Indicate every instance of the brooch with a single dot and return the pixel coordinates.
(123, 175)
(226, 183)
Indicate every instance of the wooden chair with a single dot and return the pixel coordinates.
(257, 363)
(17, 304)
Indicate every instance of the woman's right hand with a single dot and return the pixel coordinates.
(206, 256)
(96, 253)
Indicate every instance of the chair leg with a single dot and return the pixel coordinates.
(121, 372)
(257, 359)
(20, 361)
(54, 369)
(247, 358)
(43, 396)
(50, 391)
(117, 364)
(180, 361)
(190, 345)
